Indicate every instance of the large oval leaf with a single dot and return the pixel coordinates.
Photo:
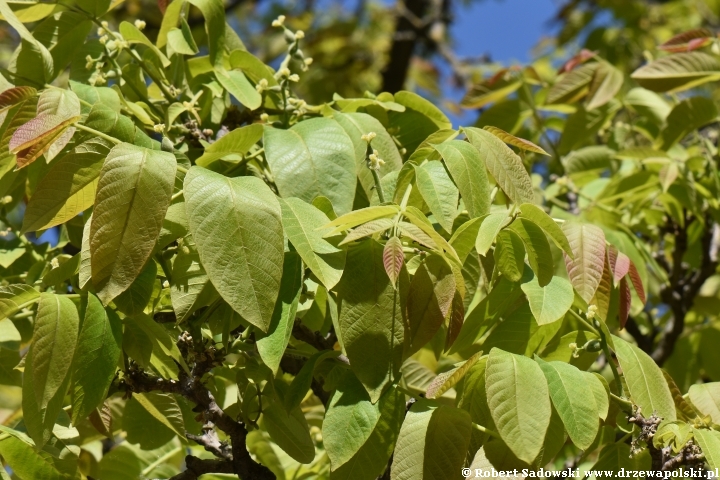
(55, 336)
(574, 403)
(313, 158)
(191, 288)
(133, 194)
(439, 192)
(678, 72)
(645, 381)
(517, 395)
(467, 169)
(99, 347)
(236, 224)
(550, 302)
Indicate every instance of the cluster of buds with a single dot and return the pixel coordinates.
(298, 106)
(293, 41)
(591, 312)
(374, 162)
(159, 128)
(284, 74)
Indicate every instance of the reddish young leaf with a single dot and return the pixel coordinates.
(576, 60)
(619, 263)
(637, 283)
(162, 5)
(625, 300)
(15, 95)
(393, 258)
(38, 129)
(55, 139)
(455, 322)
(585, 270)
(688, 41)
(603, 292)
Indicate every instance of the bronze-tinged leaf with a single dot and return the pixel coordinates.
(162, 5)
(619, 263)
(54, 141)
(603, 292)
(518, 142)
(579, 58)
(455, 322)
(684, 409)
(585, 269)
(637, 282)
(625, 301)
(15, 95)
(38, 129)
(101, 419)
(688, 41)
(393, 258)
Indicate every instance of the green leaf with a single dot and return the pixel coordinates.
(688, 115)
(303, 380)
(236, 224)
(303, 158)
(574, 403)
(68, 188)
(538, 249)
(517, 394)
(510, 255)
(358, 217)
(599, 387)
(706, 397)
(606, 83)
(24, 459)
(55, 335)
(180, 40)
(85, 269)
(191, 287)
(14, 298)
(678, 72)
(466, 167)
(489, 230)
(572, 85)
(64, 33)
(358, 124)
(349, 421)
(446, 380)
(96, 7)
(371, 460)
(439, 192)
(133, 194)
(96, 358)
(432, 444)
(585, 268)
(648, 104)
(237, 142)
(538, 216)
(551, 302)
(37, 47)
(164, 408)
(134, 300)
(271, 345)
(463, 239)
(429, 301)
(645, 381)
(214, 13)
(303, 226)
(709, 441)
(503, 164)
(237, 84)
(106, 120)
(133, 35)
(420, 119)
(170, 20)
(289, 431)
(371, 318)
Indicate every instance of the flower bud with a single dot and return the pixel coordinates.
(159, 128)
(294, 77)
(279, 21)
(140, 24)
(299, 34)
(308, 61)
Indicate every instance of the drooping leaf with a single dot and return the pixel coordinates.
(99, 347)
(164, 408)
(55, 336)
(625, 302)
(678, 72)
(510, 255)
(134, 300)
(585, 269)
(503, 164)
(645, 381)
(15, 95)
(358, 217)
(133, 194)
(709, 441)
(289, 431)
(688, 115)
(303, 380)
(371, 318)
(573, 84)
(303, 158)
(606, 83)
(536, 215)
(303, 224)
(439, 192)
(465, 165)
(489, 230)
(537, 247)
(191, 286)
(236, 224)
(551, 302)
(14, 298)
(575, 404)
(521, 418)
(393, 258)
(446, 380)
(688, 40)
(432, 444)
(598, 386)
(237, 84)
